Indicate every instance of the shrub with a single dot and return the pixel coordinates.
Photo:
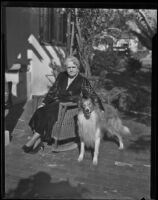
(104, 61)
(138, 101)
(110, 61)
(123, 62)
(133, 65)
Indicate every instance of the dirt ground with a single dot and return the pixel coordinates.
(119, 175)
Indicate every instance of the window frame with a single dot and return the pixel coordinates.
(52, 30)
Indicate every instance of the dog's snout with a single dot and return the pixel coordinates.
(87, 110)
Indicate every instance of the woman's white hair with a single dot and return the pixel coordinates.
(72, 59)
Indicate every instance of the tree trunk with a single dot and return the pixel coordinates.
(83, 57)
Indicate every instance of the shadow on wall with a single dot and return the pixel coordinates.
(40, 186)
(12, 111)
(13, 116)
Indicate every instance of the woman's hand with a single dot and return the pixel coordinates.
(41, 105)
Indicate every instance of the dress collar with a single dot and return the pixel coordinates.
(70, 81)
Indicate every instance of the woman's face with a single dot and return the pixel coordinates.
(72, 69)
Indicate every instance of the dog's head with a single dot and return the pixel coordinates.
(87, 104)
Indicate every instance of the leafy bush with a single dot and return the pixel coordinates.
(135, 100)
(123, 62)
(104, 61)
(140, 54)
(133, 65)
(110, 61)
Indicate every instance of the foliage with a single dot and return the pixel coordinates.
(103, 61)
(143, 24)
(133, 65)
(112, 61)
(104, 23)
(127, 92)
(140, 54)
(126, 100)
(111, 23)
(123, 62)
(94, 21)
(133, 100)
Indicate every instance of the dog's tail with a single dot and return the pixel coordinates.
(119, 127)
(125, 130)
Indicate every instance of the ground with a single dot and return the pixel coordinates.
(120, 174)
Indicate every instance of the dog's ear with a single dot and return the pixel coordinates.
(95, 101)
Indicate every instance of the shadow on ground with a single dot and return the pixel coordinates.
(40, 186)
(142, 143)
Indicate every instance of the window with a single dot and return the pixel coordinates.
(53, 26)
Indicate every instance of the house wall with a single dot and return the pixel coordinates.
(27, 60)
(18, 29)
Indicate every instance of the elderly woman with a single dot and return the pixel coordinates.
(68, 86)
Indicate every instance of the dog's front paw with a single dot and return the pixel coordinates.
(80, 158)
(121, 147)
(95, 161)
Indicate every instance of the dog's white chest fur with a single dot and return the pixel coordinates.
(88, 128)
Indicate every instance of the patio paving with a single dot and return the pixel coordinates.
(119, 175)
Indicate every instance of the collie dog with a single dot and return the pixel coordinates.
(93, 123)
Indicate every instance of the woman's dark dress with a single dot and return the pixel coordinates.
(44, 118)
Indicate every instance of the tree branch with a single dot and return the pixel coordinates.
(146, 21)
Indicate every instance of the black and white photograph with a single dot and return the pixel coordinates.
(78, 102)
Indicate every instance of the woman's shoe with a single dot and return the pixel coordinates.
(38, 148)
(42, 146)
(27, 149)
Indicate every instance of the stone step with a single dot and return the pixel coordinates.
(7, 137)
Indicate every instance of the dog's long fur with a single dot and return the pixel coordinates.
(93, 123)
